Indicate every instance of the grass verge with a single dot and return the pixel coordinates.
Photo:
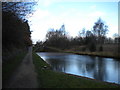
(99, 54)
(9, 67)
(51, 79)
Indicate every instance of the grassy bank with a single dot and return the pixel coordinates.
(9, 67)
(51, 79)
(47, 49)
(99, 54)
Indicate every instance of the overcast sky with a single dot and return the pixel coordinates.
(75, 15)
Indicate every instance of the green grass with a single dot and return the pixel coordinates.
(9, 67)
(51, 79)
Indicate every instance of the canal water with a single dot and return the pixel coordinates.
(104, 69)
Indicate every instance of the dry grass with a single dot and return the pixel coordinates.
(109, 50)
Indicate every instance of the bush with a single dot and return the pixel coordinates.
(15, 32)
(101, 48)
(92, 47)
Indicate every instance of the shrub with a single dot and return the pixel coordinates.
(101, 48)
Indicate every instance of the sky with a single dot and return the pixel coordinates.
(75, 15)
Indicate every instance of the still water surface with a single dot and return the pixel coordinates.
(104, 69)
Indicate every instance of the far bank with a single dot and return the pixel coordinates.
(77, 50)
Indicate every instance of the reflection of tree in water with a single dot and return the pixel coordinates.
(57, 65)
(96, 66)
(116, 67)
(99, 70)
(88, 66)
(119, 72)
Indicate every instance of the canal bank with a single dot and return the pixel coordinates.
(115, 55)
(98, 54)
(48, 78)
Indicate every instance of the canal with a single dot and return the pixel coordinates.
(104, 69)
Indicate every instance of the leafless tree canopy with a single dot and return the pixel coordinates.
(21, 9)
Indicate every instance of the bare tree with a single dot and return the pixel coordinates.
(21, 9)
(82, 33)
(100, 30)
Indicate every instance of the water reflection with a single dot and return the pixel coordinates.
(104, 69)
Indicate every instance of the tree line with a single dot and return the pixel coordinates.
(16, 32)
(89, 40)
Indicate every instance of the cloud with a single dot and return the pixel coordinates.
(46, 3)
(113, 29)
(73, 18)
(93, 7)
(42, 20)
(40, 14)
(97, 14)
(39, 24)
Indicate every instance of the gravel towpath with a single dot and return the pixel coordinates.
(25, 76)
